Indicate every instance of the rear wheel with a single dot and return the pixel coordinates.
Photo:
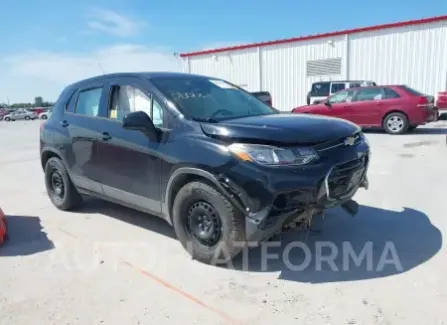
(395, 123)
(27, 118)
(60, 189)
(7, 118)
(44, 117)
(209, 227)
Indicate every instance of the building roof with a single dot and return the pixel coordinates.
(317, 36)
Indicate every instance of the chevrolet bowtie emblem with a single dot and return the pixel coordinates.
(349, 141)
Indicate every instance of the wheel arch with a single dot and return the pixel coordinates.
(184, 175)
(48, 153)
(394, 111)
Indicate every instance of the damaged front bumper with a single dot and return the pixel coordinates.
(271, 201)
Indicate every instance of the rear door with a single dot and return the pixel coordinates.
(82, 122)
(131, 162)
(367, 105)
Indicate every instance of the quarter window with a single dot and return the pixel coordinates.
(88, 102)
(390, 93)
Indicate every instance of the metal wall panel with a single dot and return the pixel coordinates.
(238, 67)
(413, 55)
(284, 69)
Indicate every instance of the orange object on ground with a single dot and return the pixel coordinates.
(3, 227)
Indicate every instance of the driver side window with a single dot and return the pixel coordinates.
(127, 99)
(341, 97)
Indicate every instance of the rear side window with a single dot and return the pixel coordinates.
(390, 93)
(88, 102)
(369, 94)
(337, 87)
(413, 91)
(355, 85)
(320, 89)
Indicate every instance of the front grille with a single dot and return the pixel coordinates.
(338, 142)
(345, 177)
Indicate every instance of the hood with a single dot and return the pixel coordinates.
(282, 128)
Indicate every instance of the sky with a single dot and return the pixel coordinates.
(48, 44)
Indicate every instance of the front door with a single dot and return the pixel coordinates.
(131, 163)
(341, 105)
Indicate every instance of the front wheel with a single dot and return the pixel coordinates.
(208, 226)
(60, 189)
(395, 123)
(27, 118)
(44, 117)
(7, 119)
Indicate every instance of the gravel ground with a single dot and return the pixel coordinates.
(106, 264)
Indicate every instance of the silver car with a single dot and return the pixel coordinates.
(20, 114)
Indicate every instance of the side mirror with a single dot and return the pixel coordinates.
(140, 121)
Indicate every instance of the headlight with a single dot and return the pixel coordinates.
(273, 156)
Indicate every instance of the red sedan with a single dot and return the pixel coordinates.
(395, 108)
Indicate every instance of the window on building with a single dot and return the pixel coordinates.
(390, 93)
(88, 102)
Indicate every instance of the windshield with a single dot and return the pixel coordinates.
(207, 99)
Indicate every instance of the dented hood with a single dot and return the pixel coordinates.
(282, 128)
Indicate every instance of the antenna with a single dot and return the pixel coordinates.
(100, 66)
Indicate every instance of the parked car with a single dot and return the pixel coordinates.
(264, 96)
(4, 112)
(45, 115)
(3, 227)
(323, 89)
(38, 110)
(20, 114)
(395, 108)
(441, 101)
(222, 168)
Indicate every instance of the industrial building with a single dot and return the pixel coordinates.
(411, 52)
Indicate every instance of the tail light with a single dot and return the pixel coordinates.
(425, 102)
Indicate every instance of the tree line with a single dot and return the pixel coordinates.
(38, 102)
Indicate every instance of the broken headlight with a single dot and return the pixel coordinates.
(273, 156)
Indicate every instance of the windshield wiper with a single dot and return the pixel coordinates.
(208, 120)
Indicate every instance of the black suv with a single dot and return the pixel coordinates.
(211, 159)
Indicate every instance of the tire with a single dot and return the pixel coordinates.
(7, 119)
(27, 118)
(196, 199)
(44, 117)
(65, 197)
(395, 123)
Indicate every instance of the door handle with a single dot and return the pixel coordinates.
(64, 123)
(106, 136)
